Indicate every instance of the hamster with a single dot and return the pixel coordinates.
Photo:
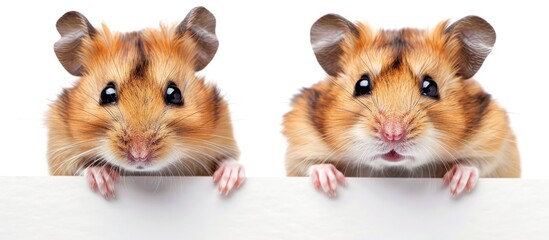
(399, 103)
(138, 107)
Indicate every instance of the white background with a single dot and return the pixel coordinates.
(264, 58)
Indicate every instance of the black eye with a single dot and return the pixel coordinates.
(109, 95)
(173, 95)
(429, 88)
(363, 86)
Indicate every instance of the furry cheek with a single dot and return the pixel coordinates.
(426, 147)
(363, 147)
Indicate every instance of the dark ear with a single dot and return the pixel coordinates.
(73, 27)
(326, 35)
(200, 23)
(477, 37)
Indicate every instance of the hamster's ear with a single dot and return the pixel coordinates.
(73, 27)
(327, 33)
(200, 23)
(476, 37)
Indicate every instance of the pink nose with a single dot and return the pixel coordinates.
(139, 150)
(393, 131)
(142, 155)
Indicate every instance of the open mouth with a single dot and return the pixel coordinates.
(392, 156)
(140, 166)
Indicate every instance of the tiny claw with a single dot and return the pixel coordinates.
(326, 177)
(460, 178)
(228, 176)
(102, 180)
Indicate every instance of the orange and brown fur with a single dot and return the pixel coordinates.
(328, 125)
(192, 139)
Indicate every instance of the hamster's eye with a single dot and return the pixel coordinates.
(363, 86)
(173, 95)
(109, 95)
(429, 88)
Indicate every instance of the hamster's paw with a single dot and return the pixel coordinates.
(461, 177)
(229, 175)
(102, 179)
(326, 177)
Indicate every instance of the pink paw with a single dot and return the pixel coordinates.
(228, 176)
(326, 177)
(461, 177)
(102, 179)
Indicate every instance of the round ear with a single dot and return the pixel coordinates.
(326, 36)
(73, 27)
(200, 23)
(476, 37)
